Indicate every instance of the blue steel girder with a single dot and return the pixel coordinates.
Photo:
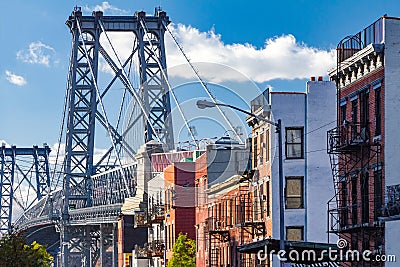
(154, 89)
(21, 178)
(84, 188)
(81, 117)
(83, 102)
(7, 189)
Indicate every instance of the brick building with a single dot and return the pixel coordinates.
(364, 146)
(223, 205)
(179, 202)
(163, 205)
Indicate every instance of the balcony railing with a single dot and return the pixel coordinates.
(153, 249)
(392, 206)
(140, 219)
(373, 34)
(157, 213)
(347, 137)
(213, 224)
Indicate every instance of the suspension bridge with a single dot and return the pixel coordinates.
(72, 201)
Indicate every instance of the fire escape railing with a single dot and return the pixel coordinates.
(347, 137)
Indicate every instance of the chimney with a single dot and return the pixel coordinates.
(320, 79)
(312, 79)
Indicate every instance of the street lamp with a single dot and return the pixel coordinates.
(202, 104)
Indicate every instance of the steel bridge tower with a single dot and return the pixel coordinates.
(24, 179)
(85, 108)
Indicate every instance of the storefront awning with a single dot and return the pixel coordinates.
(304, 250)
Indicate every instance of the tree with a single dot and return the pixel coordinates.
(184, 252)
(14, 252)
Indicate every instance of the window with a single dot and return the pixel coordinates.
(268, 200)
(262, 145)
(354, 195)
(354, 118)
(294, 143)
(262, 203)
(197, 238)
(343, 113)
(344, 195)
(226, 212)
(197, 193)
(167, 197)
(295, 233)
(294, 192)
(364, 109)
(237, 210)
(230, 212)
(173, 235)
(354, 243)
(365, 197)
(255, 159)
(170, 238)
(255, 202)
(266, 146)
(219, 211)
(378, 116)
(377, 193)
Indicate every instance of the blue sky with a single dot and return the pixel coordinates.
(35, 47)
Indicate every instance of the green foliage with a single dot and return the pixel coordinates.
(14, 252)
(184, 252)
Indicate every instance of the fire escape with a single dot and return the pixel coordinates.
(233, 220)
(218, 235)
(353, 212)
(250, 222)
(153, 218)
(156, 218)
(356, 155)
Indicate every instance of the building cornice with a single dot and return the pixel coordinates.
(226, 186)
(359, 65)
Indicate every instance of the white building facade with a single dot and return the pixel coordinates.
(308, 186)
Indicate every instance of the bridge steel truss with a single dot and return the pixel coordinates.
(23, 171)
(93, 193)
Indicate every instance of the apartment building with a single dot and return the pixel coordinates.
(223, 204)
(364, 146)
(308, 186)
(163, 205)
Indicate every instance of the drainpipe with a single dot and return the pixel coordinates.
(305, 167)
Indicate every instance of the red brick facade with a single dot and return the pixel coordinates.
(179, 202)
(360, 180)
(228, 215)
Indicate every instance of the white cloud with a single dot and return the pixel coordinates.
(15, 79)
(107, 8)
(37, 53)
(281, 57)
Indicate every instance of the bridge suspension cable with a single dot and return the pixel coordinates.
(53, 185)
(203, 83)
(125, 77)
(169, 85)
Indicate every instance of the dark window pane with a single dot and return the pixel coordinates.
(294, 143)
(295, 233)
